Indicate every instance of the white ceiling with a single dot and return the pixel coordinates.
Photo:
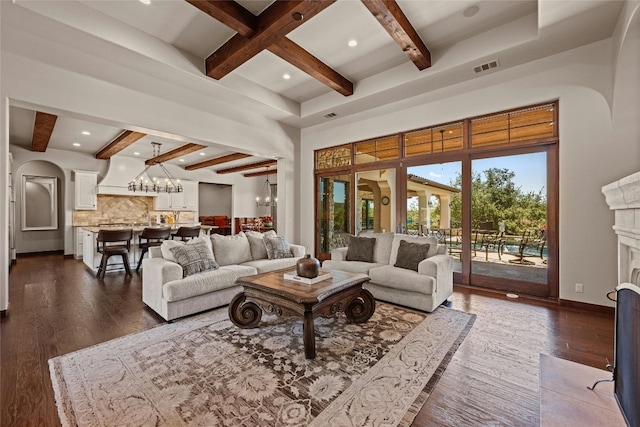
(376, 65)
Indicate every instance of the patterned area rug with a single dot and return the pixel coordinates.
(204, 371)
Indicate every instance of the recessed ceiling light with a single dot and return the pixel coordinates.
(84, 132)
(76, 144)
(145, 1)
(286, 76)
(182, 160)
(353, 43)
(470, 11)
(136, 153)
(202, 154)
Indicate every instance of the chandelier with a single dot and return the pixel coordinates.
(265, 198)
(142, 182)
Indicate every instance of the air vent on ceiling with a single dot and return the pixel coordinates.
(487, 66)
(329, 115)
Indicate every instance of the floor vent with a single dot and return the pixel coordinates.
(487, 66)
(329, 115)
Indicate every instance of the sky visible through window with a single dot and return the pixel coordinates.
(530, 170)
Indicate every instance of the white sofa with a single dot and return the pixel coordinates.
(424, 289)
(168, 293)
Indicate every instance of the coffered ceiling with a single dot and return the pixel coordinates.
(340, 57)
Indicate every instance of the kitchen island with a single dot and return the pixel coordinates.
(91, 257)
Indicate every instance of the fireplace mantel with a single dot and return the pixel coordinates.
(623, 196)
(624, 193)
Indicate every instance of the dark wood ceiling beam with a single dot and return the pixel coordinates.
(249, 166)
(275, 22)
(217, 161)
(230, 13)
(176, 152)
(261, 173)
(42, 130)
(300, 58)
(391, 17)
(124, 140)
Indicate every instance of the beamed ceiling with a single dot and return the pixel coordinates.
(254, 43)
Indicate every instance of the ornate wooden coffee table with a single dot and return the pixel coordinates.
(271, 293)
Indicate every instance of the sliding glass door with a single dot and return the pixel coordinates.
(434, 205)
(509, 222)
(486, 187)
(376, 200)
(334, 213)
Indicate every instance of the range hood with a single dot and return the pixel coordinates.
(121, 170)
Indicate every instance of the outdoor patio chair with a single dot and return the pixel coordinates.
(531, 245)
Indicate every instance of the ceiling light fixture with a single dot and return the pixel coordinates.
(136, 153)
(470, 11)
(265, 197)
(84, 132)
(142, 182)
(353, 43)
(286, 76)
(145, 1)
(76, 144)
(202, 154)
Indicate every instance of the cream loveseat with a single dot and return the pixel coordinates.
(424, 289)
(169, 289)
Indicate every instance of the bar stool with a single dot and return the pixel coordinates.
(153, 237)
(186, 233)
(113, 242)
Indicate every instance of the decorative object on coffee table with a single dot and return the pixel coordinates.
(308, 267)
(272, 294)
(323, 275)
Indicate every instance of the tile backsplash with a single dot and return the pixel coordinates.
(112, 209)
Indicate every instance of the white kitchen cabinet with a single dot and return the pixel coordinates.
(79, 243)
(163, 201)
(187, 200)
(85, 190)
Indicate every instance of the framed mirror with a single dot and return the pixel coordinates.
(39, 203)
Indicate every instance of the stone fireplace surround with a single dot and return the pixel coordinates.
(623, 196)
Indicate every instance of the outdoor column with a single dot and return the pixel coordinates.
(424, 213)
(445, 211)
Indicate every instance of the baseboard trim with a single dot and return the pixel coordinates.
(31, 254)
(588, 306)
(576, 305)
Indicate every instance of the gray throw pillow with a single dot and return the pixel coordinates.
(410, 254)
(194, 258)
(277, 247)
(360, 248)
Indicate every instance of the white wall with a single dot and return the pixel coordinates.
(590, 155)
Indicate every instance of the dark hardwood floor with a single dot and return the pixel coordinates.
(58, 306)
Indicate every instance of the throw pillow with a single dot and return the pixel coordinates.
(277, 247)
(194, 258)
(360, 248)
(166, 246)
(256, 243)
(230, 250)
(410, 254)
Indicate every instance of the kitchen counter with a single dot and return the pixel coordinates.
(140, 227)
(89, 233)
